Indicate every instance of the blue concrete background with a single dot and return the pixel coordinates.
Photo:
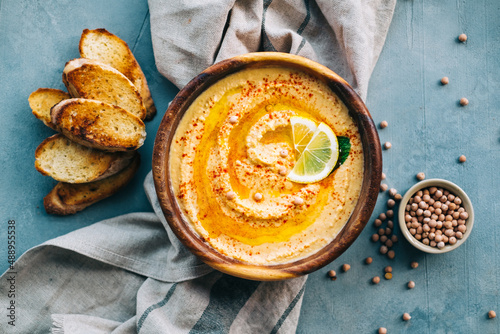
(427, 127)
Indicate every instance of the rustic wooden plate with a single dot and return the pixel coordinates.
(369, 190)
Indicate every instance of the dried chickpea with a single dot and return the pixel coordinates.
(375, 237)
(391, 203)
(387, 145)
(368, 260)
(388, 276)
(377, 222)
(390, 214)
(332, 274)
(382, 216)
(406, 316)
(383, 176)
(445, 80)
(383, 239)
(376, 280)
(391, 254)
(383, 124)
(464, 101)
(420, 176)
(414, 264)
(382, 330)
(462, 158)
(388, 269)
(383, 187)
(393, 192)
(411, 285)
(383, 249)
(492, 314)
(398, 197)
(346, 267)
(462, 38)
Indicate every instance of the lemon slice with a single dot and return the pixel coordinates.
(302, 132)
(318, 158)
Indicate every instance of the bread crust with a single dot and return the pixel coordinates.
(98, 125)
(92, 79)
(95, 44)
(68, 198)
(62, 159)
(42, 100)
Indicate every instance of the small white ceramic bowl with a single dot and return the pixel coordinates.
(454, 189)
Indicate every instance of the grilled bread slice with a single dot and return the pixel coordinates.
(69, 198)
(42, 99)
(67, 161)
(98, 125)
(102, 45)
(91, 79)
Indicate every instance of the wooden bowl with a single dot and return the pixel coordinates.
(360, 214)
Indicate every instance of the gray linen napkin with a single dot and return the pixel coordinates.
(130, 274)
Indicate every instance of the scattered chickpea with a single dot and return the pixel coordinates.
(332, 274)
(382, 216)
(387, 145)
(445, 80)
(375, 237)
(389, 213)
(383, 249)
(394, 238)
(392, 192)
(406, 316)
(230, 195)
(383, 124)
(411, 285)
(420, 176)
(398, 197)
(346, 267)
(462, 38)
(462, 158)
(382, 330)
(464, 101)
(233, 119)
(492, 314)
(284, 153)
(368, 260)
(414, 264)
(388, 275)
(388, 269)
(383, 187)
(377, 222)
(391, 203)
(391, 254)
(376, 280)
(383, 176)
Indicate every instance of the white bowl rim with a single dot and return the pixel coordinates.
(448, 185)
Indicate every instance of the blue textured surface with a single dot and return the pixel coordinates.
(427, 127)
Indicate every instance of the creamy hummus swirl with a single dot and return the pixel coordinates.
(230, 156)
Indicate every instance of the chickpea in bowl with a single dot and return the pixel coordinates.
(436, 216)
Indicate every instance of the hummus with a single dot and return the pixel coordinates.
(230, 156)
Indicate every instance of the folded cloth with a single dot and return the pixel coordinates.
(130, 273)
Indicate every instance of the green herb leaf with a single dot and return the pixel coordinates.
(344, 149)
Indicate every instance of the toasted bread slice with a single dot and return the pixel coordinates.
(42, 99)
(67, 161)
(99, 125)
(102, 45)
(91, 79)
(68, 198)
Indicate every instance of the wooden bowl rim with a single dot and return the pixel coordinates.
(371, 176)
